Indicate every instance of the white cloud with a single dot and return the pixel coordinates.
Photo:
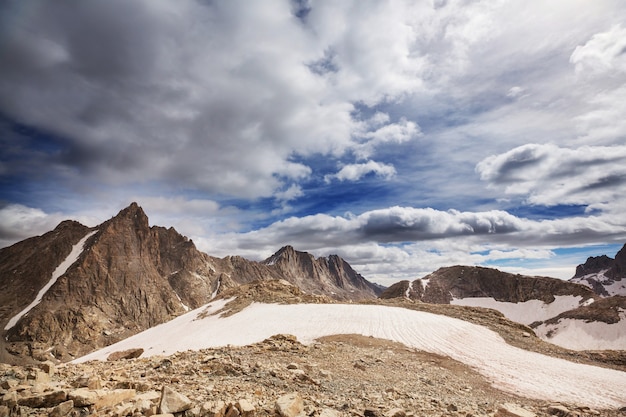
(550, 175)
(354, 172)
(603, 55)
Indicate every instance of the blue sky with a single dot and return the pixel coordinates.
(401, 135)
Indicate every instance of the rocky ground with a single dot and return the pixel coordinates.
(346, 375)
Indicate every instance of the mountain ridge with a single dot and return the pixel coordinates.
(128, 277)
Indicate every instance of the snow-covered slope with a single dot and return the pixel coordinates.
(585, 335)
(508, 368)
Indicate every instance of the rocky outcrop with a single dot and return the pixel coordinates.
(605, 275)
(331, 276)
(471, 281)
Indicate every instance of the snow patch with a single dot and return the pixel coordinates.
(580, 335)
(526, 312)
(77, 250)
(508, 368)
(214, 294)
(409, 288)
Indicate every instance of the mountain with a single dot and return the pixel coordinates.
(605, 275)
(561, 312)
(323, 276)
(77, 288)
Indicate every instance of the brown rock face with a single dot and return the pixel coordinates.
(603, 274)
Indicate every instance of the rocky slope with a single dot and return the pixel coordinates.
(605, 275)
(337, 376)
(566, 313)
(127, 277)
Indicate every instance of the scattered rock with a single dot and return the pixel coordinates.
(62, 409)
(173, 402)
(44, 400)
(289, 405)
(125, 354)
(560, 411)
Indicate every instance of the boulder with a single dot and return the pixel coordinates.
(289, 405)
(173, 402)
(513, 410)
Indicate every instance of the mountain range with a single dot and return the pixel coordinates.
(77, 289)
(95, 286)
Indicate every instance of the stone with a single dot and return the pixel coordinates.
(173, 402)
(44, 400)
(213, 409)
(396, 412)
(329, 412)
(83, 397)
(48, 367)
(232, 411)
(125, 354)
(370, 412)
(9, 399)
(62, 409)
(292, 365)
(4, 411)
(289, 405)
(246, 409)
(513, 410)
(560, 411)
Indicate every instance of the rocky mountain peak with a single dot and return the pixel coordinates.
(593, 265)
(603, 274)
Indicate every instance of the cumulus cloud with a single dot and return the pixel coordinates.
(354, 172)
(550, 175)
(603, 54)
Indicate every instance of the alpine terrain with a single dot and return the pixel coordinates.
(127, 319)
(76, 288)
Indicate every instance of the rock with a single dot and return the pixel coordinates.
(9, 399)
(513, 410)
(4, 411)
(370, 412)
(173, 402)
(329, 412)
(292, 365)
(289, 405)
(83, 397)
(213, 409)
(560, 411)
(396, 412)
(125, 354)
(62, 409)
(246, 409)
(44, 400)
(232, 411)
(48, 367)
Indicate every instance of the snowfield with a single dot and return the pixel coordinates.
(526, 312)
(77, 250)
(508, 368)
(568, 333)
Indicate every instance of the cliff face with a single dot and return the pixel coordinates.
(126, 277)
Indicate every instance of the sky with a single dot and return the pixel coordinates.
(401, 135)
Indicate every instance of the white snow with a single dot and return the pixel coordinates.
(409, 288)
(77, 250)
(580, 335)
(508, 368)
(526, 312)
(219, 283)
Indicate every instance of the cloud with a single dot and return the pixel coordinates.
(354, 172)
(550, 175)
(604, 54)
